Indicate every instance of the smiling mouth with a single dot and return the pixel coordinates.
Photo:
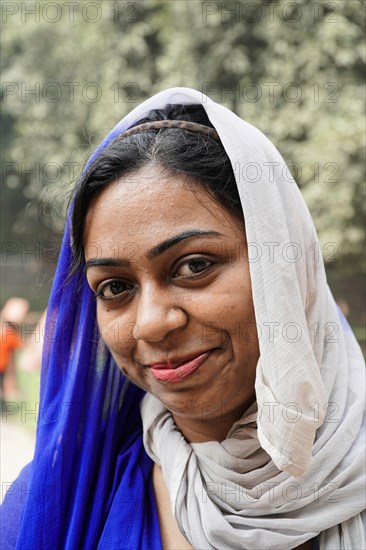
(174, 363)
(175, 372)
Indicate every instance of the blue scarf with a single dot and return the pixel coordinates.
(89, 485)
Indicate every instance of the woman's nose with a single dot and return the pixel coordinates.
(157, 316)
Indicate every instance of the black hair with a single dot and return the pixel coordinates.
(199, 157)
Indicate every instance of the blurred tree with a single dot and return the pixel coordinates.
(293, 69)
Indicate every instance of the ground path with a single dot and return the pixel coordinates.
(16, 450)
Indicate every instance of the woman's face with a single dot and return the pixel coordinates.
(170, 269)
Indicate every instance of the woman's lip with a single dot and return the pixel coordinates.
(175, 364)
(177, 374)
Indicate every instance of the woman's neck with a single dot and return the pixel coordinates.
(209, 428)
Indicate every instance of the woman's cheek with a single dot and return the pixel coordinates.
(116, 332)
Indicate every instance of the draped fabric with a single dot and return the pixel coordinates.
(230, 494)
(90, 481)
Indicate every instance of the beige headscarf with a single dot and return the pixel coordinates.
(306, 434)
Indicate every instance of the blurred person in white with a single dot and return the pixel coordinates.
(191, 421)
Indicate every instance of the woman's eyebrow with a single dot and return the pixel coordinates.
(155, 251)
(172, 241)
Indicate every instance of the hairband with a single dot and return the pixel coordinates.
(161, 124)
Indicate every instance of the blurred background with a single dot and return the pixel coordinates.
(71, 70)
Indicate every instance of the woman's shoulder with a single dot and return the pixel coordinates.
(11, 509)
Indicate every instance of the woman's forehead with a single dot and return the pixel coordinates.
(150, 198)
(150, 204)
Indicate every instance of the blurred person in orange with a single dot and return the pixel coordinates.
(12, 315)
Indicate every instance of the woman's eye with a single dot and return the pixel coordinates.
(112, 289)
(192, 267)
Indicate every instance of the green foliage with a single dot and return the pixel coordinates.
(293, 69)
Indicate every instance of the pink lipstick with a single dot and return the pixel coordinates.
(165, 373)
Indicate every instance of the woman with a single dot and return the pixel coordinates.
(199, 389)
